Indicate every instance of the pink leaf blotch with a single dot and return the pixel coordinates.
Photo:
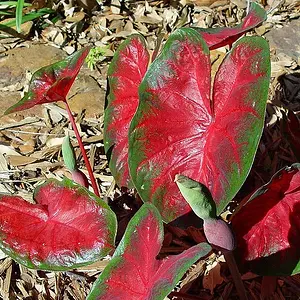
(67, 227)
(134, 273)
(51, 83)
(219, 37)
(179, 129)
(125, 74)
(267, 227)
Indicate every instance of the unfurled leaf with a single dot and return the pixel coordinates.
(219, 37)
(267, 227)
(68, 154)
(125, 74)
(178, 129)
(67, 227)
(134, 273)
(51, 83)
(197, 196)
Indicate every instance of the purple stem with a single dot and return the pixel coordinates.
(86, 160)
(236, 276)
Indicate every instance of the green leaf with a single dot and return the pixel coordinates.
(197, 196)
(12, 3)
(68, 154)
(19, 13)
(29, 17)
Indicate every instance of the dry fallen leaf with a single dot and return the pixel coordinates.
(213, 277)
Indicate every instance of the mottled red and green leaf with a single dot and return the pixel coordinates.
(177, 129)
(67, 227)
(267, 227)
(125, 74)
(219, 37)
(134, 273)
(51, 83)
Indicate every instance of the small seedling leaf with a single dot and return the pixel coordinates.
(267, 227)
(134, 273)
(68, 227)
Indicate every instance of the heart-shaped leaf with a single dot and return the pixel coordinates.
(67, 228)
(51, 83)
(125, 74)
(219, 37)
(175, 130)
(267, 227)
(134, 273)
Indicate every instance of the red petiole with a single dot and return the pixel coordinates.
(80, 143)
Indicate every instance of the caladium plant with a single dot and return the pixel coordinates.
(67, 227)
(163, 123)
(134, 273)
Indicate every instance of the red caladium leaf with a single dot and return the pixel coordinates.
(67, 228)
(134, 273)
(125, 74)
(51, 83)
(267, 227)
(178, 130)
(219, 37)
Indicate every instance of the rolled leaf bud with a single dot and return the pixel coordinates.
(68, 154)
(218, 233)
(80, 178)
(198, 197)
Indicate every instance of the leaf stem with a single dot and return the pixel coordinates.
(236, 276)
(80, 143)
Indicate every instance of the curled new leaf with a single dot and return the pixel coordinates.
(80, 178)
(51, 83)
(125, 74)
(178, 129)
(218, 233)
(267, 227)
(68, 154)
(134, 273)
(219, 37)
(197, 196)
(67, 227)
